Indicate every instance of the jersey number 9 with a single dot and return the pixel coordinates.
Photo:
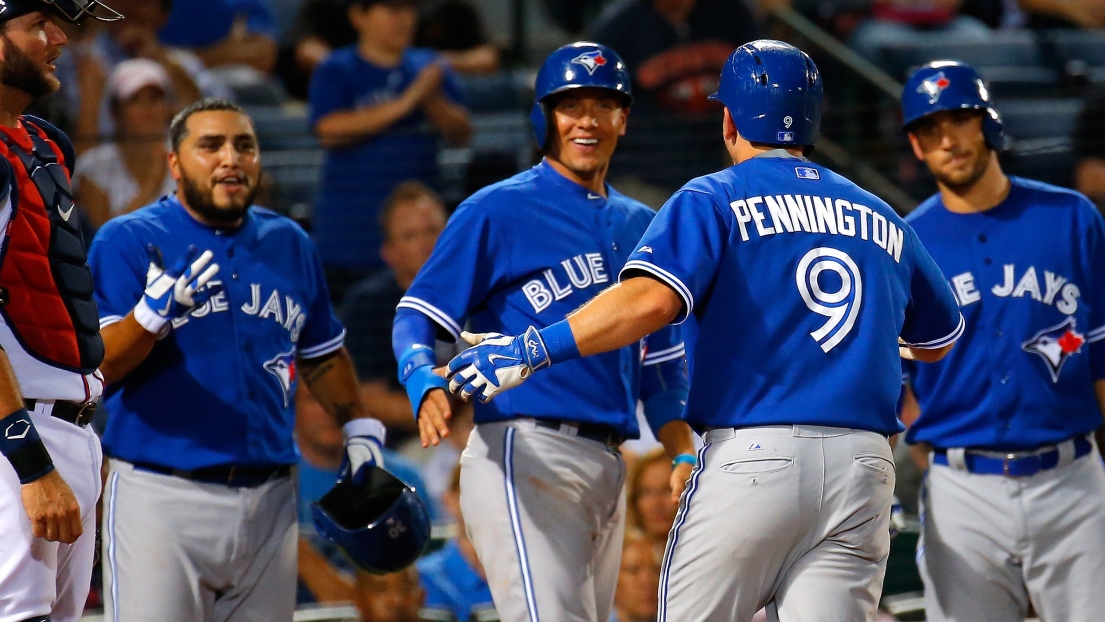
(841, 306)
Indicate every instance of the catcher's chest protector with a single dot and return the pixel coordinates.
(45, 284)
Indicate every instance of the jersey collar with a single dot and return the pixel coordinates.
(780, 153)
(546, 170)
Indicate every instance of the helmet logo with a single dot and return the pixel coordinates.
(3, 6)
(590, 60)
(788, 121)
(934, 86)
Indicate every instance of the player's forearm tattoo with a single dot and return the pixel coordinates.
(312, 373)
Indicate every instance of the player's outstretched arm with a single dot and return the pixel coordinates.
(412, 339)
(48, 501)
(619, 316)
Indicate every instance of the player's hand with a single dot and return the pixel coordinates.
(434, 414)
(897, 517)
(172, 293)
(364, 444)
(680, 475)
(496, 363)
(52, 509)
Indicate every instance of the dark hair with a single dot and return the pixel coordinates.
(178, 128)
(403, 193)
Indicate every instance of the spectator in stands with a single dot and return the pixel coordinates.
(94, 56)
(1045, 14)
(893, 21)
(455, 585)
(1089, 149)
(395, 597)
(675, 50)
(325, 575)
(635, 599)
(411, 219)
(224, 32)
(379, 107)
(648, 497)
(454, 28)
(120, 176)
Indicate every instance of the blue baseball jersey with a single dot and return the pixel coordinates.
(800, 283)
(219, 387)
(528, 251)
(1028, 278)
(453, 587)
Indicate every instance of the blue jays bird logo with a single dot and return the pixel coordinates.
(934, 86)
(283, 367)
(1055, 345)
(590, 61)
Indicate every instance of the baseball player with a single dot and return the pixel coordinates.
(1013, 510)
(800, 284)
(542, 479)
(50, 346)
(201, 377)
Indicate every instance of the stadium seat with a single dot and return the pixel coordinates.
(1080, 53)
(280, 128)
(1038, 138)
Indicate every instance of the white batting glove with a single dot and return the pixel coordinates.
(364, 444)
(173, 293)
(496, 363)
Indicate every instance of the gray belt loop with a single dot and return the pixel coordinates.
(957, 458)
(1066, 453)
(715, 435)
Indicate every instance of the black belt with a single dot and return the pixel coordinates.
(591, 431)
(225, 475)
(1015, 464)
(78, 414)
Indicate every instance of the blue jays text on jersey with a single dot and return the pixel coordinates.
(801, 283)
(1027, 275)
(218, 388)
(528, 251)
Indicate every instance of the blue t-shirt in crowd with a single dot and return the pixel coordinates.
(357, 178)
(453, 586)
(200, 23)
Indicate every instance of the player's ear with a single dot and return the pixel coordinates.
(625, 120)
(174, 167)
(729, 128)
(916, 145)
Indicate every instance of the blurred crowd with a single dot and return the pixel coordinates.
(391, 95)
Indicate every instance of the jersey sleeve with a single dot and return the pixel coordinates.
(322, 332)
(664, 379)
(329, 90)
(682, 247)
(1092, 263)
(118, 260)
(932, 317)
(460, 272)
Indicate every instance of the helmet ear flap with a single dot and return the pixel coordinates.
(539, 119)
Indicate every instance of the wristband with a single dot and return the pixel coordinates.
(22, 446)
(690, 459)
(560, 343)
(148, 319)
(416, 355)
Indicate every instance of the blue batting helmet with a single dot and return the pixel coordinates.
(73, 11)
(773, 92)
(379, 522)
(950, 85)
(577, 65)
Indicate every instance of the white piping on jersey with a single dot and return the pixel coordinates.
(516, 523)
(943, 341)
(663, 356)
(1096, 334)
(667, 277)
(324, 348)
(435, 314)
(108, 320)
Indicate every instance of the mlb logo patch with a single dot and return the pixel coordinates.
(590, 61)
(805, 172)
(785, 137)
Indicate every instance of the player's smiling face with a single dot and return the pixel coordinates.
(586, 125)
(951, 143)
(217, 166)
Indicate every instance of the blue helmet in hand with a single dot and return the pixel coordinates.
(950, 85)
(773, 92)
(576, 65)
(378, 521)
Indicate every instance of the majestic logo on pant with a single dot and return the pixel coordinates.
(283, 367)
(1055, 345)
